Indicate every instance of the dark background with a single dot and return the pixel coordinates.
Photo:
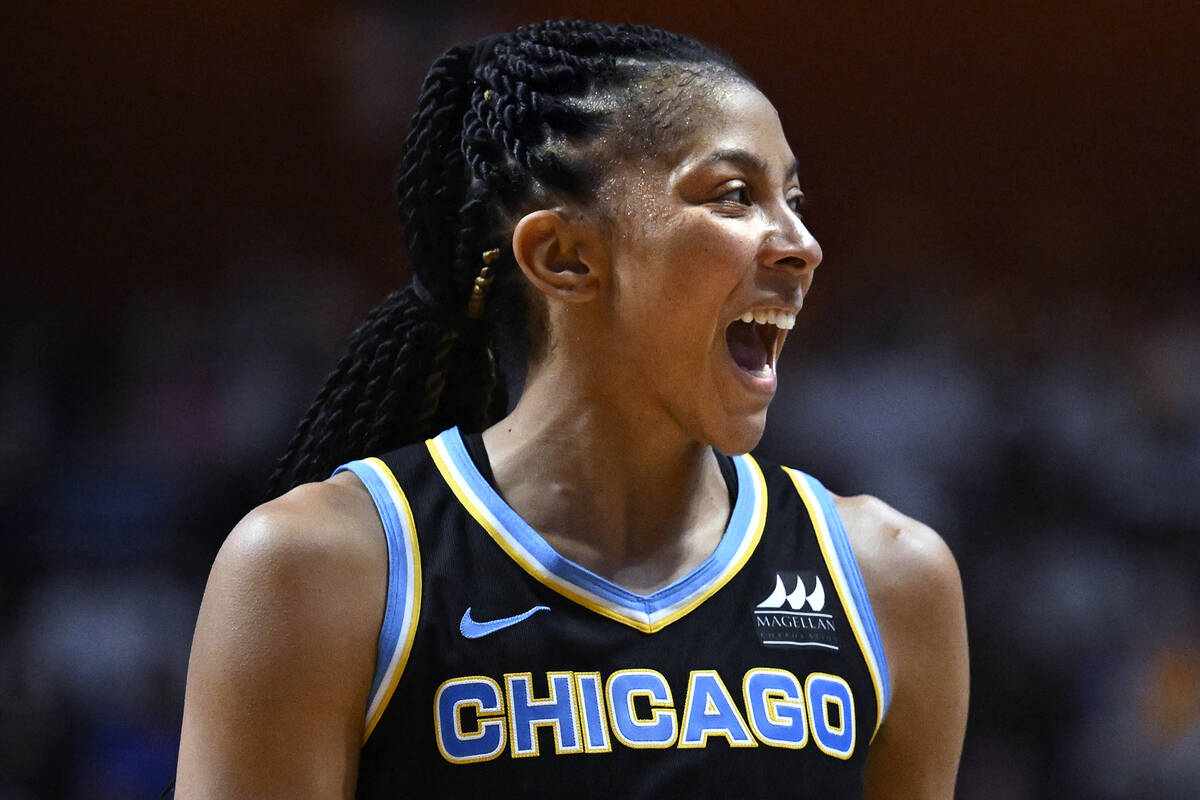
(1003, 340)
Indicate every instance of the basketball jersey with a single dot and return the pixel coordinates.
(506, 670)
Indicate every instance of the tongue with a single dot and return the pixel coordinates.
(747, 349)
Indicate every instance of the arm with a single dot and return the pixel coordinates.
(916, 594)
(284, 649)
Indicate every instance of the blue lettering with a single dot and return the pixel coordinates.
(591, 705)
(526, 714)
(464, 731)
(775, 705)
(710, 711)
(827, 696)
(659, 728)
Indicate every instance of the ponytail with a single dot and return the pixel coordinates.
(406, 374)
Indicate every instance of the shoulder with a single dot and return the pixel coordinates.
(902, 560)
(318, 537)
(334, 519)
(317, 554)
(284, 646)
(312, 560)
(916, 594)
(913, 582)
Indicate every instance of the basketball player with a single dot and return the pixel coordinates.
(584, 596)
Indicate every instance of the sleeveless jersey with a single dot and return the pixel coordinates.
(506, 670)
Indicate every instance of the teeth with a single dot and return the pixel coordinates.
(765, 372)
(784, 320)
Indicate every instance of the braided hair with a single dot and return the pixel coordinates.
(499, 124)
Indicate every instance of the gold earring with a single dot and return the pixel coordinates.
(480, 287)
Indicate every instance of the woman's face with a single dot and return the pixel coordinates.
(710, 263)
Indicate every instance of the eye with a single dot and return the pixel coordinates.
(797, 201)
(737, 194)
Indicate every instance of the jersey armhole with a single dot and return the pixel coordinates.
(843, 566)
(403, 602)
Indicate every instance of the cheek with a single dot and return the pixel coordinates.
(681, 274)
(713, 269)
(691, 291)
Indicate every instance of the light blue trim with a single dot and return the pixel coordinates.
(735, 533)
(858, 589)
(397, 547)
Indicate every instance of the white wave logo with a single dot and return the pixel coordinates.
(796, 598)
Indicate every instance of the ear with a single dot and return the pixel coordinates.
(560, 257)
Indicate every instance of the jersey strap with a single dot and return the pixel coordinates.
(403, 607)
(647, 613)
(843, 567)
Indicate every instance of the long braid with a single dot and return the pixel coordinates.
(487, 137)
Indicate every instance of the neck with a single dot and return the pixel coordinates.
(623, 495)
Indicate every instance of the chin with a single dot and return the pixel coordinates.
(740, 436)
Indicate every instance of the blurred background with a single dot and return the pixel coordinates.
(1003, 340)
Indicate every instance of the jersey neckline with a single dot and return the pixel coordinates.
(647, 613)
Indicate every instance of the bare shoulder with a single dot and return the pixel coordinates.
(902, 560)
(312, 561)
(912, 580)
(332, 523)
(916, 593)
(320, 539)
(284, 648)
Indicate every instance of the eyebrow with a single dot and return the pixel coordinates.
(749, 161)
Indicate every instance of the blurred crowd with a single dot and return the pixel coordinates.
(1056, 448)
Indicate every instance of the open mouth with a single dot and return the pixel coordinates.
(754, 340)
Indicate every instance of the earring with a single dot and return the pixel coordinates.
(480, 287)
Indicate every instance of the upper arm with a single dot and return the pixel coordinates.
(284, 651)
(916, 594)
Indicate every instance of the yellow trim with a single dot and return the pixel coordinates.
(413, 562)
(578, 594)
(824, 539)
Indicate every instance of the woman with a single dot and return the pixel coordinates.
(587, 597)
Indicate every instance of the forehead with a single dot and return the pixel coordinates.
(734, 122)
(711, 118)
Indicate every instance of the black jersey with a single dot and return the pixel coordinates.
(506, 670)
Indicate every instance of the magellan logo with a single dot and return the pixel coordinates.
(797, 597)
(803, 622)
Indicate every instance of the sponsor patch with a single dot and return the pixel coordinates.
(793, 614)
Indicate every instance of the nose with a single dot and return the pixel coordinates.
(791, 245)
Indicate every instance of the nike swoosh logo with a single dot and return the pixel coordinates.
(473, 630)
